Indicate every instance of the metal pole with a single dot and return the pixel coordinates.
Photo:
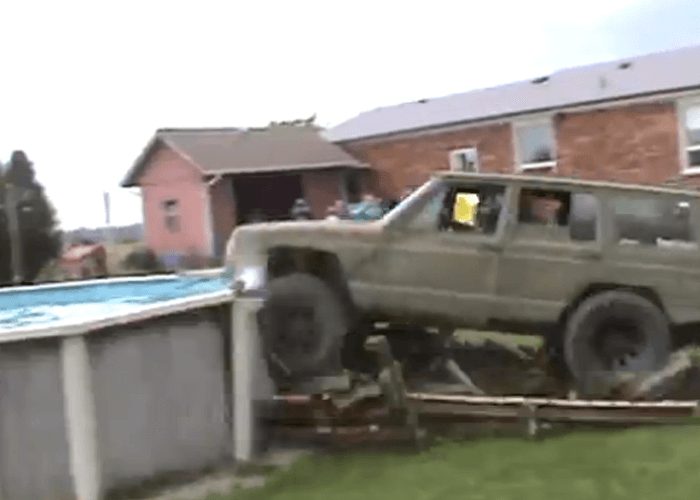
(14, 232)
(108, 237)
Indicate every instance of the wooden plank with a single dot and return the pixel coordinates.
(450, 411)
(566, 403)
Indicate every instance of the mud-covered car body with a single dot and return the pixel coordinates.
(505, 270)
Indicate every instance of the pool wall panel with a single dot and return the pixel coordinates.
(162, 395)
(34, 455)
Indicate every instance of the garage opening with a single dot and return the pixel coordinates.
(265, 197)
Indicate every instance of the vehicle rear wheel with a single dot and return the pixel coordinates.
(612, 337)
(302, 325)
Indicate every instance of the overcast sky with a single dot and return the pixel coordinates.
(84, 84)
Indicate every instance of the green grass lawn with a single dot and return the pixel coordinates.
(644, 463)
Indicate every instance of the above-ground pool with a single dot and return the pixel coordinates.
(78, 302)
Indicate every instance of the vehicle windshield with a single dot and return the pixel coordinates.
(407, 204)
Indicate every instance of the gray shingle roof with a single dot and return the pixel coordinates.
(636, 76)
(235, 151)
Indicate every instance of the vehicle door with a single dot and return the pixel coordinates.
(441, 261)
(553, 250)
(654, 245)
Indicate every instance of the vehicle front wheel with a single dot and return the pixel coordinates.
(613, 337)
(302, 325)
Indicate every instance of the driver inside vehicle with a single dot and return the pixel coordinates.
(542, 208)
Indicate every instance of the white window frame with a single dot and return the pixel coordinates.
(454, 166)
(682, 107)
(532, 122)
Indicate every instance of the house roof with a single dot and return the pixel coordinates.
(662, 72)
(235, 151)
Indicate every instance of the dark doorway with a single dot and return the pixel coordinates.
(265, 197)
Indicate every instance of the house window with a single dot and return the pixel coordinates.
(535, 145)
(171, 212)
(464, 160)
(691, 125)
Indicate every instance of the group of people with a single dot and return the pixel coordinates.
(369, 208)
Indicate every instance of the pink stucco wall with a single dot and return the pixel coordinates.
(169, 176)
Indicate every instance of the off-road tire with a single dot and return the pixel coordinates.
(593, 374)
(295, 298)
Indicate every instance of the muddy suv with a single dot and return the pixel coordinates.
(608, 273)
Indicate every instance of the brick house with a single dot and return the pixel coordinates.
(634, 120)
(198, 184)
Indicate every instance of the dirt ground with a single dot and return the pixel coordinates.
(497, 369)
(502, 366)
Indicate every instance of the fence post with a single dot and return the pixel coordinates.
(81, 421)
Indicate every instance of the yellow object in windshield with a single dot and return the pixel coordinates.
(464, 211)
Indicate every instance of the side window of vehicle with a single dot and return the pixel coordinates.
(428, 215)
(557, 215)
(472, 209)
(653, 221)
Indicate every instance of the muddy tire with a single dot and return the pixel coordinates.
(302, 324)
(613, 337)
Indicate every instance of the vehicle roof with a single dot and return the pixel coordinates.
(556, 181)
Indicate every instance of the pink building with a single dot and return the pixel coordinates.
(198, 184)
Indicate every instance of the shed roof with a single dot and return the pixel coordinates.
(657, 73)
(235, 151)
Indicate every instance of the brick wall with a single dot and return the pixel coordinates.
(398, 163)
(321, 189)
(633, 143)
(630, 144)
